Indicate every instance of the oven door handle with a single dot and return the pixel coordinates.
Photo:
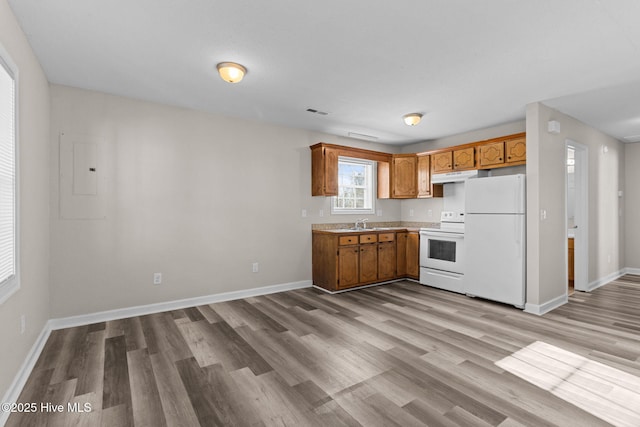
(440, 235)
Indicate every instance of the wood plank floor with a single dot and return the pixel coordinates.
(400, 354)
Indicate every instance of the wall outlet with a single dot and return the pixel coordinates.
(304, 213)
(23, 324)
(379, 212)
(609, 259)
(157, 278)
(321, 213)
(411, 212)
(255, 267)
(543, 214)
(430, 213)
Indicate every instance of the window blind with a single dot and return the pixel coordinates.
(7, 175)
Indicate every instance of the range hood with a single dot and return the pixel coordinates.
(443, 178)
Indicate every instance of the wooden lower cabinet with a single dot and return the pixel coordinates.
(401, 253)
(346, 260)
(413, 255)
(571, 271)
(349, 266)
(368, 263)
(386, 261)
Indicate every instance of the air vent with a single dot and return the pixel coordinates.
(362, 136)
(632, 138)
(311, 110)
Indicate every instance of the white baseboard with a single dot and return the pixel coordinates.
(122, 313)
(12, 394)
(21, 377)
(630, 270)
(540, 309)
(604, 280)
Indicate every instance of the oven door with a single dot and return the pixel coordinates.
(442, 251)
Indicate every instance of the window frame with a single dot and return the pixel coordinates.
(12, 284)
(373, 188)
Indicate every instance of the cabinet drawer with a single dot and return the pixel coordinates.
(368, 238)
(348, 240)
(386, 237)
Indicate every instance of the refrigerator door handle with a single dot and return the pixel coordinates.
(518, 230)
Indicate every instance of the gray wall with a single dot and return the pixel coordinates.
(631, 198)
(196, 196)
(546, 240)
(32, 299)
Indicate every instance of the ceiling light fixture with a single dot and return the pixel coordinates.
(412, 119)
(231, 72)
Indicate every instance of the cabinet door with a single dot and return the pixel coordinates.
(492, 154)
(413, 254)
(442, 162)
(424, 176)
(324, 171)
(368, 263)
(516, 149)
(401, 254)
(404, 177)
(348, 263)
(464, 159)
(386, 261)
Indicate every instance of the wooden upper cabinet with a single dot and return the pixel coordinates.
(424, 176)
(404, 181)
(492, 154)
(505, 152)
(464, 159)
(442, 162)
(516, 149)
(324, 171)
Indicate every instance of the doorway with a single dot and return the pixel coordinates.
(577, 216)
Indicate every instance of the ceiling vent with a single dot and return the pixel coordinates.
(632, 138)
(311, 110)
(362, 136)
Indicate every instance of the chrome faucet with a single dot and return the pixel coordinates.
(363, 222)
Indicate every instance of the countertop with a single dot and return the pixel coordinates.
(376, 227)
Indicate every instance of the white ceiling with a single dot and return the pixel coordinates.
(465, 64)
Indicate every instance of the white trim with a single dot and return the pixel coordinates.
(540, 309)
(13, 285)
(629, 270)
(581, 239)
(604, 280)
(12, 394)
(372, 186)
(121, 313)
(22, 376)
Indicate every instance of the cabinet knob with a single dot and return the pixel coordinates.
(500, 158)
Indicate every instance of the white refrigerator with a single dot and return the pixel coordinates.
(495, 239)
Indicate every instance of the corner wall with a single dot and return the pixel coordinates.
(546, 239)
(631, 196)
(32, 299)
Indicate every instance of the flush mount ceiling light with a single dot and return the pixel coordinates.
(412, 119)
(231, 72)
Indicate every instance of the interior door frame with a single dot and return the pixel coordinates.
(581, 239)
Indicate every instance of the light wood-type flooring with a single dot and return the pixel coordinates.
(400, 354)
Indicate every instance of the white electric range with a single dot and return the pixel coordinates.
(442, 253)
